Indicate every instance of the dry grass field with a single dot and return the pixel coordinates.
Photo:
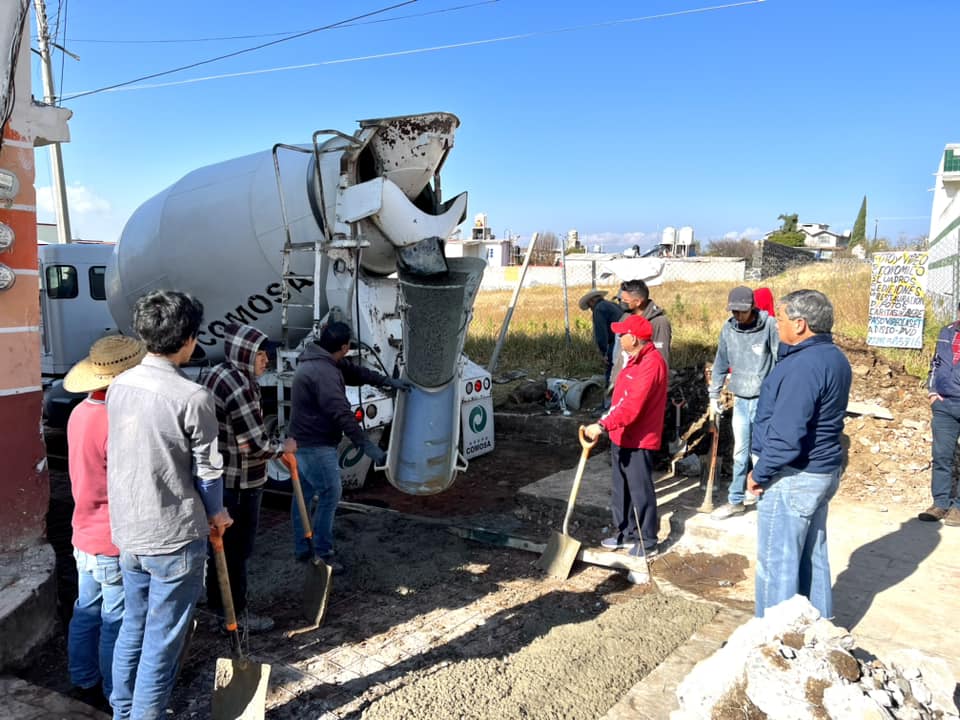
(536, 340)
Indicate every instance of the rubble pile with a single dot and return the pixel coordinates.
(794, 665)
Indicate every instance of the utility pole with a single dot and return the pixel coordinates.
(49, 97)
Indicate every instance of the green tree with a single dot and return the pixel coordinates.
(788, 234)
(859, 234)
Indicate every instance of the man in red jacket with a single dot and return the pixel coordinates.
(635, 425)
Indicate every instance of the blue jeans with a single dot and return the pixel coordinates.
(244, 507)
(160, 593)
(320, 477)
(945, 424)
(792, 539)
(632, 490)
(96, 620)
(744, 410)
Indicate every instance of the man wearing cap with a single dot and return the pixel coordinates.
(320, 416)
(604, 313)
(99, 607)
(635, 300)
(246, 446)
(635, 425)
(746, 353)
(798, 454)
(166, 497)
(943, 391)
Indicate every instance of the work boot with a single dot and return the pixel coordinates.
(92, 696)
(952, 518)
(615, 543)
(728, 510)
(933, 514)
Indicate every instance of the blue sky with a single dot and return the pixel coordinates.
(720, 119)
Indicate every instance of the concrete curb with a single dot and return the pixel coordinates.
(28, 602)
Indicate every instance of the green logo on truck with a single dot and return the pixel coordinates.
(350, 457)
(478, 419)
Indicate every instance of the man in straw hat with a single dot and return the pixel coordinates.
(99, 607)
(604, 313)
(166, 494)
(635, 425)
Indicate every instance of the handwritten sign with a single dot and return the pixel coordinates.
(898, 285)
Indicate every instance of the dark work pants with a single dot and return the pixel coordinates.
(244, 508)
(633, 486)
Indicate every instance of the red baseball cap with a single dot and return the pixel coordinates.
(636, 325)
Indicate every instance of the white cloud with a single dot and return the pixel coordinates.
(615, 242)
(751, 233)
(91, 216)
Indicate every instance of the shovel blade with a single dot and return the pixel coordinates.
(239, 690)
(316, 591)
(561, 553)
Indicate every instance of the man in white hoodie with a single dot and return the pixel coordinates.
(746, 353)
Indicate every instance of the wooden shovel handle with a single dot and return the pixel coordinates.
(290, 460)
(226, 596)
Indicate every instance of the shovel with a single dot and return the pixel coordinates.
(239, 685)
(707, 505)
(557, 560)
(678, 445)
(316, 585)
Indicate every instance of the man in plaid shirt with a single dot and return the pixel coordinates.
(246, 446)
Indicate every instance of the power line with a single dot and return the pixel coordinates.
(416, 51)
(287, 32)
(239, 52)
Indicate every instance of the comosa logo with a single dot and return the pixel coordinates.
(350, 457)
(478, 419)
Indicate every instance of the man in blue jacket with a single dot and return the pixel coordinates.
(798, 455)
(320, 416)
(943, 388)
(746, 353)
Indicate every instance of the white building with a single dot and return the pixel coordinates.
(943, 268)
(482, 243)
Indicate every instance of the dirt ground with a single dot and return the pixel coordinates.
(425, 624)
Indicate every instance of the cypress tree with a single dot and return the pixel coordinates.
(859, 234)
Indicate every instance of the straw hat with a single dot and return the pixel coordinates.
(109, 356)
(585, 300)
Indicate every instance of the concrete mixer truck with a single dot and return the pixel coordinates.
(350, 228)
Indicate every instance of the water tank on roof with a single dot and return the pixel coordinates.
(668, 236)
(685, 236)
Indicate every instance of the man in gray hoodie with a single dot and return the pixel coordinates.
(746, 353)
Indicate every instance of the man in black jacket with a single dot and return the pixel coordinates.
(320, 417)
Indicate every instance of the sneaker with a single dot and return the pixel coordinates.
(953, 517)
(728, 510)
(749, 498)
(336, 568)
(614, 543)
(933, 514)
(652, 552)
(252, 623)
(247, 622)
